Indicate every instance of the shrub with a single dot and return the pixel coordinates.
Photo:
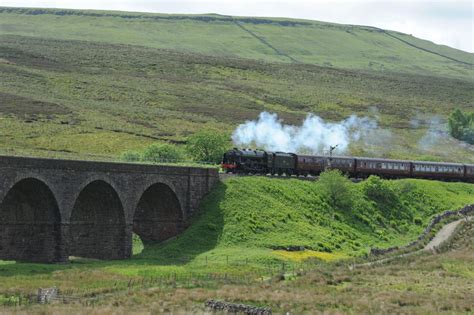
(336, 189)
(131, 156)
(461, 125)
(378, 190)
(207, 145)
(163, 153)
(418, 221)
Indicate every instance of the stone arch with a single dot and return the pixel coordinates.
(97, 226)
(158, 214)
(30, 223)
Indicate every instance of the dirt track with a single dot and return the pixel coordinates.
(442, 236)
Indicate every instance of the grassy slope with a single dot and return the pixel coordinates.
(261, 213)
(283, 40)
(421, 284)
(243, 218)
(91, 100)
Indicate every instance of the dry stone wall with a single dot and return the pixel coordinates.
(465, 211)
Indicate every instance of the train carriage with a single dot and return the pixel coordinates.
(310, 164)
(469, 172)
(344, 164)
(437, 170)
(383, 167)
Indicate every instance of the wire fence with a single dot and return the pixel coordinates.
(89, 296)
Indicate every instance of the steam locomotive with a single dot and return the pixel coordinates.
(246, 161)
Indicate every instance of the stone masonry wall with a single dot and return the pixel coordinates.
(103, 228)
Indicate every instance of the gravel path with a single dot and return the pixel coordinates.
(442, 236)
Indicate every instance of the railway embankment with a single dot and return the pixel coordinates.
(258, 214)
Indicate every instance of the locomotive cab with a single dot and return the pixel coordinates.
(229, 161)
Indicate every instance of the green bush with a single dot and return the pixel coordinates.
(418, 221)
(380, 191)
(461, 125)
(336, 189)
(131, 156)
(163, 153)
(207, 145)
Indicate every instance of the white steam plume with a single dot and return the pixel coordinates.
(314, 135)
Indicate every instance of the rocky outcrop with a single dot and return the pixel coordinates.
(237, 308)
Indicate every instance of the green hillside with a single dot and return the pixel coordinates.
(273, 40)
(262, 214)
(244, 224)
(91, 85)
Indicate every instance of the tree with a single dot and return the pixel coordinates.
(336, 188)
(461, 125)
(164, 152)
(207, 145)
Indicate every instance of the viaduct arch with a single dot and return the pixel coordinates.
(53, 209)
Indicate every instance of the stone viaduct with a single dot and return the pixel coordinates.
(53, 209)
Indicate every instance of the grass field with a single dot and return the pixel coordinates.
(234, 235)
(94, 100)
(273, 40)
(94, 84)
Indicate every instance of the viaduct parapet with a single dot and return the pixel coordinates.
(53, 209)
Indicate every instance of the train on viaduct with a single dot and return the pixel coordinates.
(53, 209)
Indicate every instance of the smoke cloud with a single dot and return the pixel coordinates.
(314, 136)
(434, 135)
